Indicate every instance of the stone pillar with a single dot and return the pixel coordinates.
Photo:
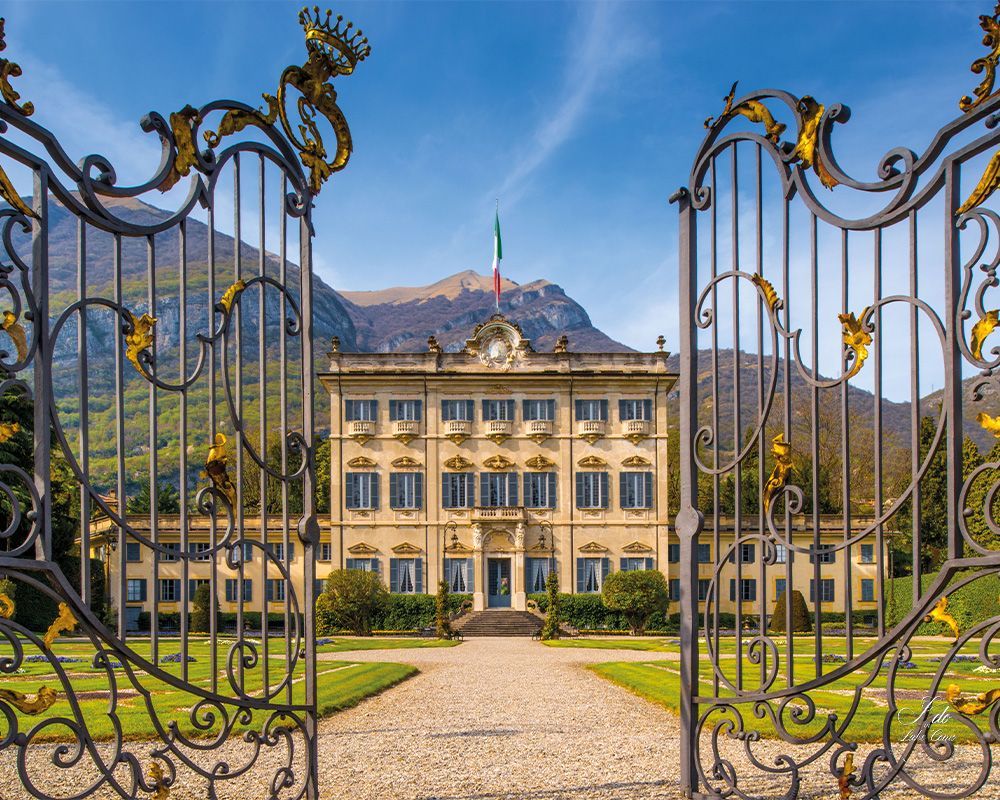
(519, 598)
(479, 567)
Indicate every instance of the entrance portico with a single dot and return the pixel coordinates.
(498, 554)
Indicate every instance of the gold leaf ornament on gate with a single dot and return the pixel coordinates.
(767, 289)
(983, 328)
(844, 779)
(988, 184)
(782, 452)
(12, 326)
(217, 468)
(157, 779)
(753, 110)
(989, 423)
(940, 614)
(8, 70)
(7, 606)
(811, 112)
(970, 706)
(857, 338)
(140, 338)
(986, 65)
(43, 701)
(334, 49)
(64, 622)
(229, 297)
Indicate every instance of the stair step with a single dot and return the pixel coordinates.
(500, 622)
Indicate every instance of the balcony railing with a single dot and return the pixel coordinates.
(498, 513)
(498, 429)
(539, 429)
(458, 430)
(361, 429)
(592, 429)
(406, 430)
(635, 429)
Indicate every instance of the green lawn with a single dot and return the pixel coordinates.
(619, 643)
(660, 682)
(342, 644)
(341, 684)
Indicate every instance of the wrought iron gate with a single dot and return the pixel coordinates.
(162, 367)
(792, 270)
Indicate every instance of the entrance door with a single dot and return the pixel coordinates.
(498, 577)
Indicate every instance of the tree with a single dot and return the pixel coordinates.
(353, 597)
(442, 617)
(638, 594)
(550, 630)
(201, 616)
(976, 500)
(168, 499)
(800, 614)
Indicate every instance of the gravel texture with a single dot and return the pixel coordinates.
(508, 718)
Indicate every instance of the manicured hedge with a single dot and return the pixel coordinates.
(171, 621)
(974, 603)
(409, 612)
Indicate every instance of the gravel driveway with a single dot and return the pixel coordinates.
(508, 718)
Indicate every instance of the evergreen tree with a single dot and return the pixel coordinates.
(168, 499)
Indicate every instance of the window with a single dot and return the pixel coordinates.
(231, 584)
(324, 551)
(458, 490)
(635, 409)
(498, 489)
(748, 554)
(540, 489)
(193, 584)
(591, 410)
(170, 590)
(133, 551)
(748, 589)
(590, 574)
(406, 575)
(539, 409)
(278, 548)
(825, 555)
(673, 553)
(135, 590)
(361, 490)
(199, 551)
(364, 564)
(456, 410)
(592, 490)
(171, 551)
(498, 409)
(405, 409)
(826, 590)
(779, 588)
(536, 572)
(867, 590)
(459, 574)
(781, 556)
(633, 563)
(355, 410)
(275, 589)
(867, 554)
(704, 554)
(242, 552)
(319, 584)
(703, 584)
(636, 489)
(406, 490)
(675, 589)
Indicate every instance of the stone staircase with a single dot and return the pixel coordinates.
(499, 622)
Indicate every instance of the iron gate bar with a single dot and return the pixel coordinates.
(712, 721)
(87, 193)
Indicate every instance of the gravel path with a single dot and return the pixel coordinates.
(508, 718)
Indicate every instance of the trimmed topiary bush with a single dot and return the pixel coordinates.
(354, 598)
(201, 614)
(637, 594)
(442, 612)
(550, 630)
(800, 614)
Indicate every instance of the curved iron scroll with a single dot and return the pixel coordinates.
(173, 317)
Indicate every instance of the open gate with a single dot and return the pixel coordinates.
(836, 355)
(157, 435)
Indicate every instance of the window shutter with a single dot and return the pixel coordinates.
(512, 488)
(374, 409)
(446, 481)
(649, 563)
(732, 590)
(578, 410)
(486, 410)
(510, 410)
(393, 574)
(419, 415)
(579, 575)
(470, 575)
(445, 411)
(605, 498)
(623, 490)
(348, 410)
(393, 409)
(812, 590)
(579, 488)
(753, 589)
(752, 553)
(374, 489)
(552, 489)
(484, 488)
(524, 409)
(376, 568)
(418, 575)
(551, 407)
(621, 410)
(418, 488)
(648, 477)
(393, 490)
(470, 489)
(352, 563)
(605, 569)
(604, 410)
(621, 564)
(647, 409)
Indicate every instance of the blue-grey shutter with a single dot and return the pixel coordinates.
(142, 590)
(752, 553)
(510, 410)
(605, 498)
(605, 569)
(374, 407)
(578, 411)
(647, 409)
(621, 564)
(753, 589)
(524, 409)
(623, 489)
(470, 410)
(621, 410)
(352, 563)
(486, 410)
(393, 490)
(445, 415)
(551, 408)
(484, 488)
(552, 489)
(649, 490)
(579, 576)
(418, 489)
(291, 552)
(446, 501)
(470, 575)
(604, 410)
(419, 415)
(418, 572)
(375, 489)
(579, 489)
(376, 568)
(470, 489)
(348, 410)
(512, 488)
(529, 500)
(732, 590)
(393, 574)
(649, 563)
(393, 409)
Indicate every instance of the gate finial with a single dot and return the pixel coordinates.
(987, 64)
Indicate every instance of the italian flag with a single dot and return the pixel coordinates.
(497, 255)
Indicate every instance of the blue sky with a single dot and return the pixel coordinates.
(581, 118)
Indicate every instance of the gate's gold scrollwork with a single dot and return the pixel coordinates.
(753, 110)
(7, 431)
(983, 328)
(844, 779)
(64, 622)
(333, 50)
(15, 330)
(782, 452)
(139, 339)
(226, 301)
(158, 780)
(182, 125)
(857, 338)
(989, 423)
(768, 290)
(987, 64)
(986, 186)
(970, 706)
(7, 606)
(811, 113)
(217, 468)
(940, 614)
(8, 70)
(43, 701)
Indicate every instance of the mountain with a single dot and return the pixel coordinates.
(403, 317)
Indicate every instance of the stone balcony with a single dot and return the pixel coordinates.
(635, 429)
(361, 429)
(498, 429)
(406, 430)
(538, 429)
(498, 514)
(592, 429)
(458, 430)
